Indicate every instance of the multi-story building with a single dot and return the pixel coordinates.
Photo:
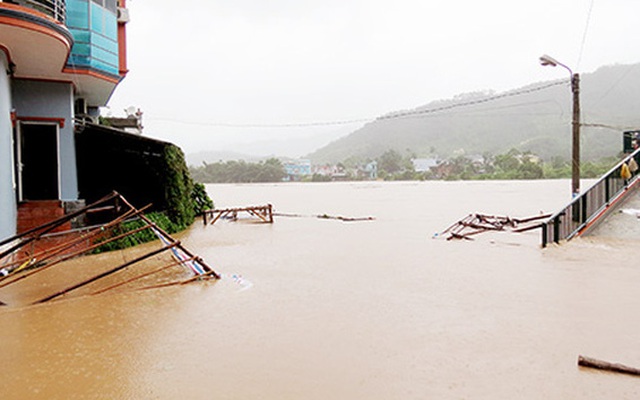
(297, 169)
(60, 60)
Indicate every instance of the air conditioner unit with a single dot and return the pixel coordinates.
(123, 15)
(80, 107)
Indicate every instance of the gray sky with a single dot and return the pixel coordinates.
(196, 66)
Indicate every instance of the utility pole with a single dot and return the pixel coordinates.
(575, 123)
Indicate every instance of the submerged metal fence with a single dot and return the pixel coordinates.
(582, 210)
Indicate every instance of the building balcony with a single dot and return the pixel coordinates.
(36, 44)
(75, 41)
(56, 9)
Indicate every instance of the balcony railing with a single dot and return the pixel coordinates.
(585, 208)
(56, 9)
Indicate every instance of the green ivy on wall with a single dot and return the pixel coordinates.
(178, 187)
(184, 200)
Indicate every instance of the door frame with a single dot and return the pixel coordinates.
(20, 124)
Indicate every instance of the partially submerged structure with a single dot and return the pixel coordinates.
(44, 263)
(474, 224)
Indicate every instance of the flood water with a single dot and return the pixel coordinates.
(350, 310)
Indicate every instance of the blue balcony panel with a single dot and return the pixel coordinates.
(104, 56)
(104, 43)
(78, 14)
(104, 67)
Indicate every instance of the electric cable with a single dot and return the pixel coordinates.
(399, 115)
(584, 35)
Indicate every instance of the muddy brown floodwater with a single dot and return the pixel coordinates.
(327, 309)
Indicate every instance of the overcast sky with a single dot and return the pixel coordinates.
(196, 66)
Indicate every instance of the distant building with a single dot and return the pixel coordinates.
(371, 170)
(424, 164)
(297, 169)
(131, 124)
(324, 170)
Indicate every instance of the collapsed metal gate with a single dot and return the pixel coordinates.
(28, 256)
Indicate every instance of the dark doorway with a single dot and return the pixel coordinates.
(38, 162)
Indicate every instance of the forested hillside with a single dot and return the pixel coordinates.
(536, 119)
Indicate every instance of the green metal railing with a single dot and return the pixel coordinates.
(582, 210)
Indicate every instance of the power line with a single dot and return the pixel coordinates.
(584, 35)
(605, 126)
(615, 84)
(285, 125)
(408, 114)
(474, 102)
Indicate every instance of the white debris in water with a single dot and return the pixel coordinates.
(631, 211)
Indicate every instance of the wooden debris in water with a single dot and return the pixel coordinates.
(266, 214)
(474, 224)
(263, 213)
(589, 362)
(327, 216)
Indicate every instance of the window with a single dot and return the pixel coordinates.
(111, 5)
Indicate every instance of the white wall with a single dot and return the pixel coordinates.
(53, 100)
(7, 187)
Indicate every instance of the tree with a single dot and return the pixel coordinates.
(270, 170)
(390, 162)
(529, 170)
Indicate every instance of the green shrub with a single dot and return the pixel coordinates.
(200, 199)
(178, 188)
(144, 236)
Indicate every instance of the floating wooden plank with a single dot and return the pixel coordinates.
(589, 362)
(326, 216)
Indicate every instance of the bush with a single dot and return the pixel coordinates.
(159, 218)
(178, 188)
(184, 200)
(200, 199)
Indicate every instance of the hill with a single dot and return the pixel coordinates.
(534, 118)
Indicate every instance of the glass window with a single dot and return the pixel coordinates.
(111, 5)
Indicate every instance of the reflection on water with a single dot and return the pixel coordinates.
(374, 309)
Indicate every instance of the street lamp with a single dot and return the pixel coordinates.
(546, 60)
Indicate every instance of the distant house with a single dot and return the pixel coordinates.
(63, 60)
(324, 170)
(424, 164)
(297, 169)
(131, 124)
(370, 170)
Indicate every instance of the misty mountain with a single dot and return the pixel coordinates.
(535, 118)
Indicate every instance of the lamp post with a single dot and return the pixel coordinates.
(546, 60)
